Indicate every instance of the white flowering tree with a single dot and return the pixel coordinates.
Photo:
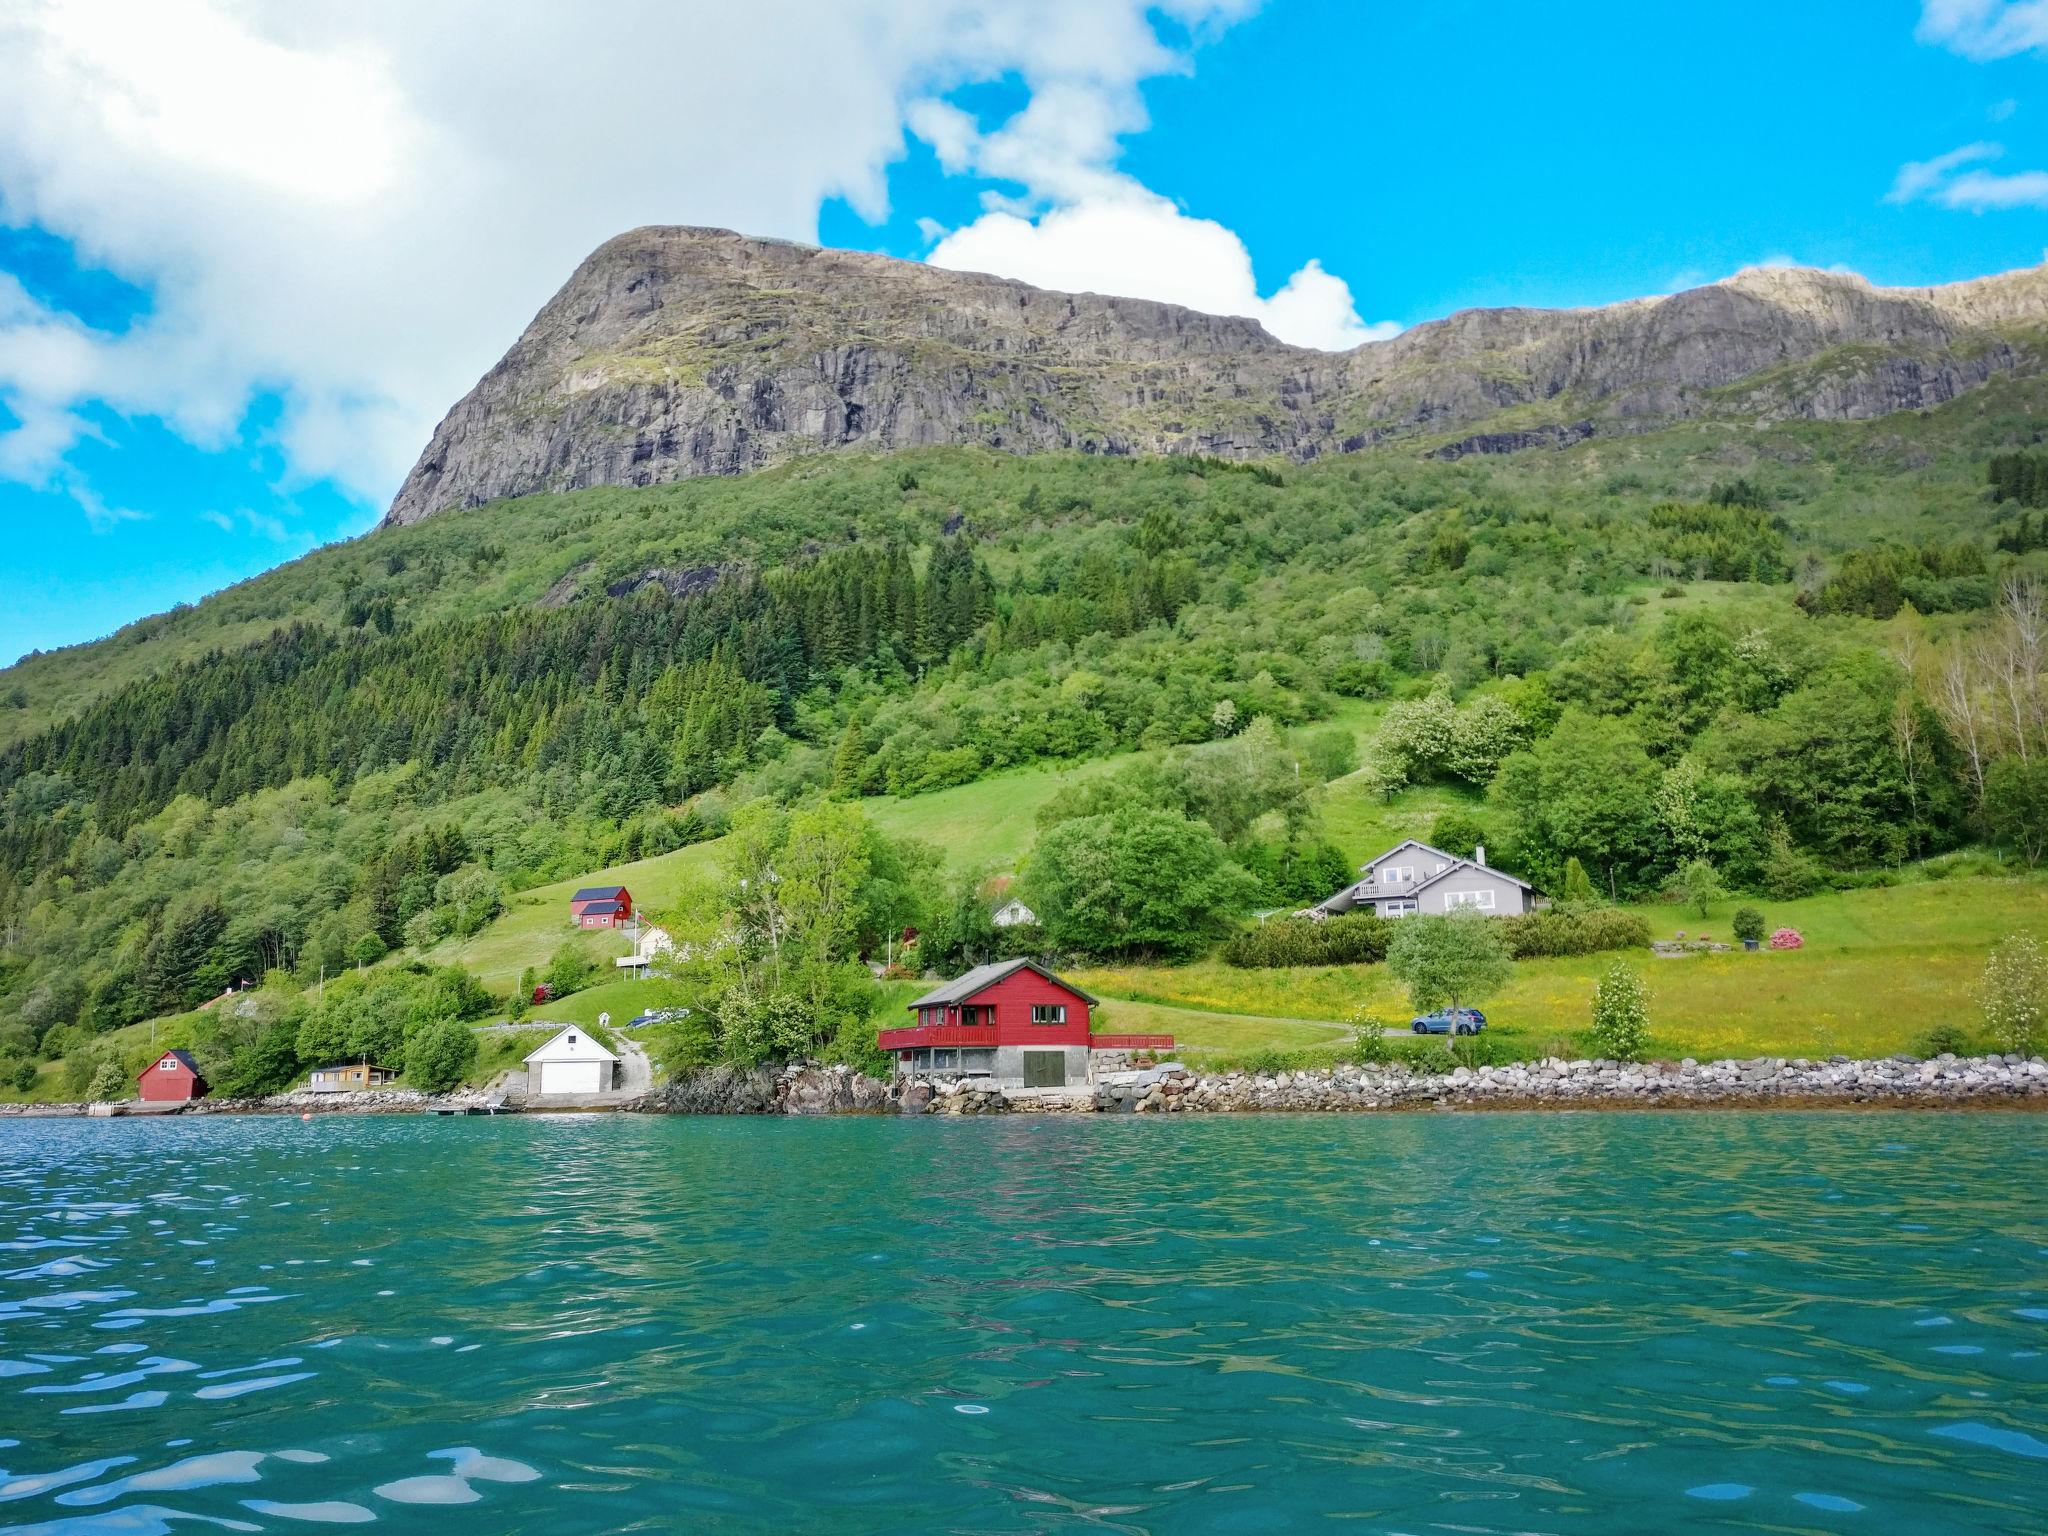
(1621, 1014)
(2014, 984)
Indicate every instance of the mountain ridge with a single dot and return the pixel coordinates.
(676, 351)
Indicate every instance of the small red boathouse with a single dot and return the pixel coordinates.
(1014, 1022)
(173, 1078)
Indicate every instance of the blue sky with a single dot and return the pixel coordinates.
(243, 272)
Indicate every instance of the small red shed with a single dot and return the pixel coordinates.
(602, 906)
(173, 1078)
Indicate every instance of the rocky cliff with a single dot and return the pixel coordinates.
(674, 352)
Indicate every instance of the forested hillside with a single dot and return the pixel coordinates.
(1809, 658)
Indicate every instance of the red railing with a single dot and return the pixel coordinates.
(1130, 1042)
(921, 1035)
(936, 1034)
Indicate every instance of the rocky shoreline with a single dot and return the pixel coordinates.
(1944, 1082)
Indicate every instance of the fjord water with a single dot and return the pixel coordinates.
(1480, 1323)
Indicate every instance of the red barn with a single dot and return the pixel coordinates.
(1013, 1022)
(602, 906)
(173, 1078)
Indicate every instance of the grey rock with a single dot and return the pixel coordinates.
(675, 352)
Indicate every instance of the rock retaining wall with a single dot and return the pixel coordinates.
(1549, 1084)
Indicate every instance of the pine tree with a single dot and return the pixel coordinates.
(850, 762)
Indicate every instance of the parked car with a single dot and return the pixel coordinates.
(657, 1016)
(1449, 1021)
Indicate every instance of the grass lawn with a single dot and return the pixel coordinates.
(1879, 969)
(623, 1000)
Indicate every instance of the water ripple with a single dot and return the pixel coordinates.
(1487, 1324)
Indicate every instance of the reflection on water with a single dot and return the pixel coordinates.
(1495, 1323)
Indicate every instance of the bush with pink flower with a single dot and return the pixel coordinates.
(1787, 938)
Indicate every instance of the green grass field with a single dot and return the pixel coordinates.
(1879, 969)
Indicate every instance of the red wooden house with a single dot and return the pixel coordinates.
(1014, 1022)
(173, 1078)
(601, 906)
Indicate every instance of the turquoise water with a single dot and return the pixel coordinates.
(1415, 1323)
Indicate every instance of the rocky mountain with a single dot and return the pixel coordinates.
(674, 352)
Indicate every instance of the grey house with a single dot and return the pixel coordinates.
(1413, 877)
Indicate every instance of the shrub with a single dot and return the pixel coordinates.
(1621, 1014)
(1477, 1051)
(21, 1075)
(1787, 938)
(1942, 1040)
(1355, 938)
(108, 1084)
(1748, 924)
(2012, 992)
(1573, 931)
(1788, 873)
(569, 968)
(440, 1055)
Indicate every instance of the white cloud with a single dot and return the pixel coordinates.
(1985, 29)
(1138, 245)
(1959, 179)
(358, 203)
(1083, 226)
(1922, 178)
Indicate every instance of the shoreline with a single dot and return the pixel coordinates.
(1946, 1082)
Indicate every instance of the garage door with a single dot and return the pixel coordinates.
(570, 1076)
(1045, 1069)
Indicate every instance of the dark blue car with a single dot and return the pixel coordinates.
(1449, 1021)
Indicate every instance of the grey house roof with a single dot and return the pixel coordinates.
(1458, 864)
(598, 892)
(982, 977)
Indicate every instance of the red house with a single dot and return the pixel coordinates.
(1013, 1022)
(602, 906)
(173, 1078)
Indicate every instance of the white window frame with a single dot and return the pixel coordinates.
(1395, 874)
(1480, 900)
(1048, 1013)
(1405, 907)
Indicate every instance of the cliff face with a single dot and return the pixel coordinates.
(674, 352)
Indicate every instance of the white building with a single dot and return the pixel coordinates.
(1013, 914)
(652, 944)
(572, 1062)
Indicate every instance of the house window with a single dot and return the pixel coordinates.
(1403, 908)
(1482, 900)
(979, 1013)
(1048, 1013)
(1398, 874)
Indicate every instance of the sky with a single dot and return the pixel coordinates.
(250, 251)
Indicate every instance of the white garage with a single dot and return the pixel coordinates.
(572, 1062)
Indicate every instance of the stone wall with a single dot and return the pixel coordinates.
(1763, 1081)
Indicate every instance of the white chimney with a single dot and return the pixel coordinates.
(1479, 856)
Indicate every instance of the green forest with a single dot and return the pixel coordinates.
(1804, 665)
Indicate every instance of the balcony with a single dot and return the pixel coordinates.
(920, 1035)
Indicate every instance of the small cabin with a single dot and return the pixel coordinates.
(1014, 1023)
(1012, 914)
(601, 906)
(173, 1078)
(571, 1062)
(350, 1077)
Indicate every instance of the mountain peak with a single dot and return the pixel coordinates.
(677, 350)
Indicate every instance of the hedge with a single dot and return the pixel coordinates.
(1356, 938)
(1574, 931)
(1360, 938)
